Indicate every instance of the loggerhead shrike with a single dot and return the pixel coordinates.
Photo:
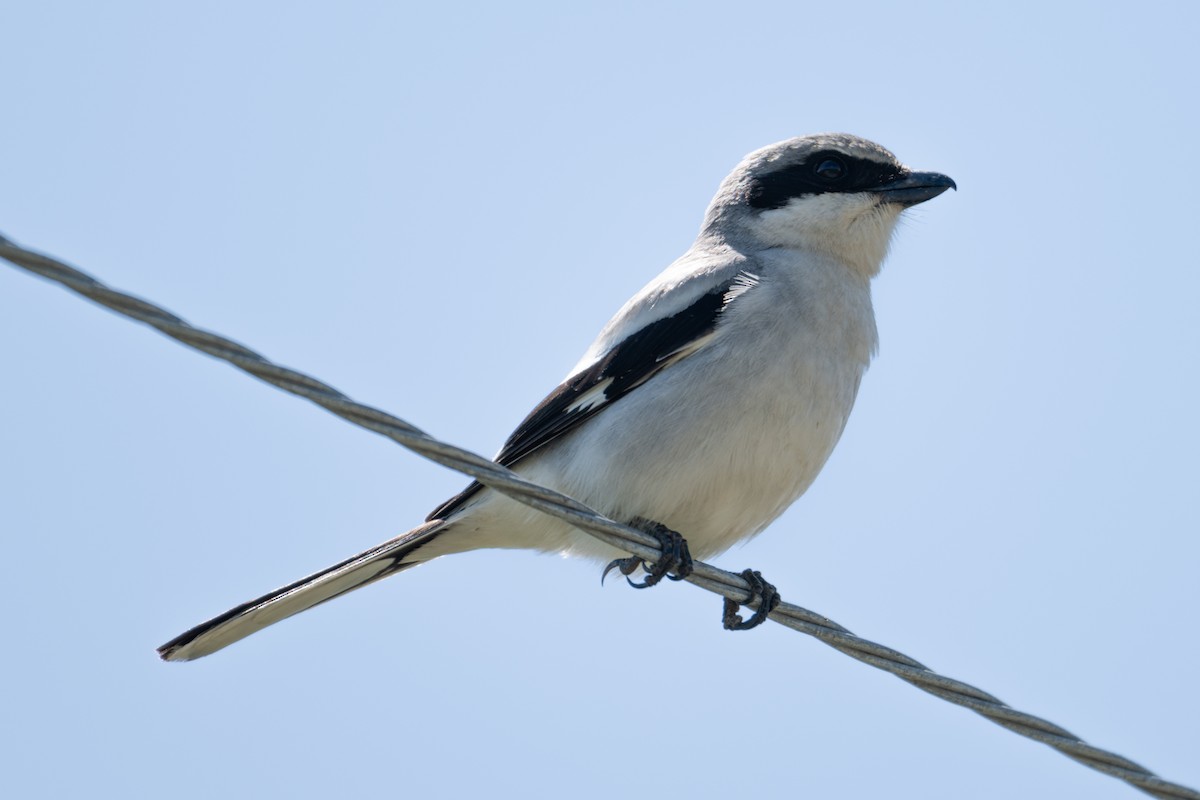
(705, 407)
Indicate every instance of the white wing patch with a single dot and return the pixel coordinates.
(593, 397)
(742, 283)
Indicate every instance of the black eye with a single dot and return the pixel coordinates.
(831, 169)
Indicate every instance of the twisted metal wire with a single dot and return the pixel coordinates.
(558, 505)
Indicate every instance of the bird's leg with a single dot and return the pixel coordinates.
(758, 587)
(675, 557)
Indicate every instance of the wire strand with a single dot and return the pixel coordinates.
(631, 540)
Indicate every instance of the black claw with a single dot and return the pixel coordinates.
(626, 565)
(676, 557)
(732, 621)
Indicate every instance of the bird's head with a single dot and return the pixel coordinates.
(834, 193)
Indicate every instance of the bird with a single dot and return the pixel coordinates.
(704, 408)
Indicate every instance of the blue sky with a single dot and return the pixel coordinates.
(435, 210)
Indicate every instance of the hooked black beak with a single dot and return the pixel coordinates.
(915, 187)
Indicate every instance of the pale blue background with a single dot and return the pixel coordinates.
(435, 210)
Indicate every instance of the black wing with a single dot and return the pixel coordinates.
(628, 365)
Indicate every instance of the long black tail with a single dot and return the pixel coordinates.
(237, 623)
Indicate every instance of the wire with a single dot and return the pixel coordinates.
(558, 505)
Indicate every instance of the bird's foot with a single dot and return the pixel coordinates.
(769, 599)
(675, 557)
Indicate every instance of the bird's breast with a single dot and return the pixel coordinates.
(725, 441)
